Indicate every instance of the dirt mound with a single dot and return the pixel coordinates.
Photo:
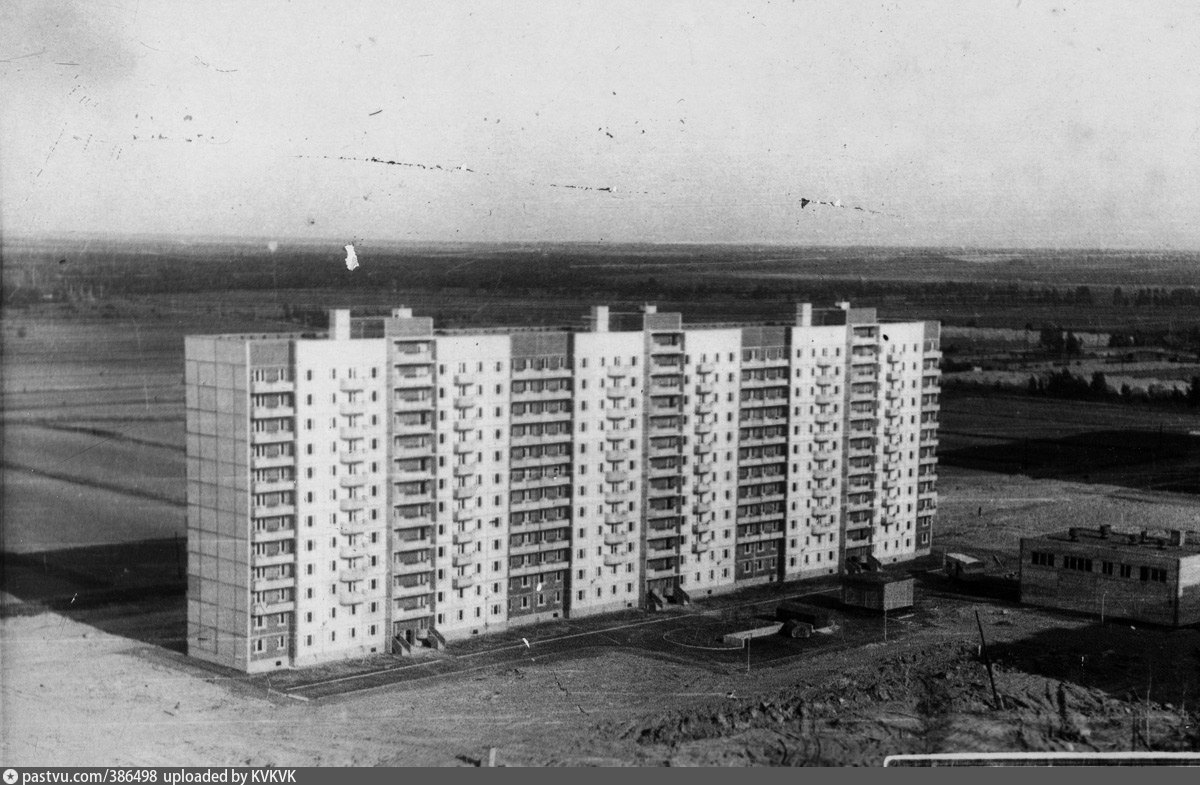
(926, 700)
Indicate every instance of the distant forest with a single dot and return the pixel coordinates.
(703, 272)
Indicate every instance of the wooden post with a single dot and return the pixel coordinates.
(987, 660)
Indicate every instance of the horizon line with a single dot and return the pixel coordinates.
(8, 239)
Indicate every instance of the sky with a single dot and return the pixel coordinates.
(1015, 123)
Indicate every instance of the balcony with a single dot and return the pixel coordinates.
(619, 434)
(614, 413)
(273, 486)
(704, 368)
(351, 597)
(616, 518)
(271, 412)
(461, 538)
(272, 461)
(660, 572)
(699, 546)
(275, 386)
(353, 480)
(352, 409)
(403, 545)
(466, 402)
(702, 527)
(702, 486)
(616, 476)
(613, 559)
(357, 526)
(617, 393)
(617, 497)
(703, 466)
(824, 399)
(465, 468)
(464, 581)
(466, 424)
(272, 560)
(352, 505)
(356, 551)
(285, 532)
(409, 381)
(702, 448)
(465, 379)
(466, 445)
(466, 491)
(464, 559)
(702, 508)
(615, 538)
(353, 575)
(352, 432)
(272, 584)
(415, 590)
(279, 606)
(272, 510)
(351, 385)
(617, 456)
(617, 371)
(706, 388)
(422, 403)
(411, 567)
(271, 436)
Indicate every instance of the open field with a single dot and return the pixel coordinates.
(1115, 444)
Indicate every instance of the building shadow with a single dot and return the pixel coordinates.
(134, 590)
(1165, 461)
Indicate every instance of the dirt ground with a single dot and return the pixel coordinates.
(87, 691)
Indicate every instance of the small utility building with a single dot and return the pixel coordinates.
(1137, 576)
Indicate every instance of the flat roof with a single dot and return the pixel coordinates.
(875, 577)
(1157, 540)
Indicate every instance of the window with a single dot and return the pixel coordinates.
(1077, 563)
(1126, 571)
(1155, 574)
(1106, 567)
(1042, 559)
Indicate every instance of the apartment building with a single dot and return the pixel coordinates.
(387, 484)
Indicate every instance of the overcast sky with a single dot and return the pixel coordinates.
(1017, 123)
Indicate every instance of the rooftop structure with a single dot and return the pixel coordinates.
(387, 483)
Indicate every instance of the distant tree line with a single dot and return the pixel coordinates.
(1066, 385)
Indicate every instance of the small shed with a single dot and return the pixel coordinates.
(877, 591)
(963, 567)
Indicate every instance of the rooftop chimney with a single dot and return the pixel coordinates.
(804, 314)
(339, 324)
(1105, 530)
(1177, 537)
(1073, 533)
(844, 305)
(649, 308)
(600, 318)
(403, 312)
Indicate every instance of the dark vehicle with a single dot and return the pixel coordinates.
(796, 611)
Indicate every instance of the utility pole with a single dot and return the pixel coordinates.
(987, 660)
(746, 646)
